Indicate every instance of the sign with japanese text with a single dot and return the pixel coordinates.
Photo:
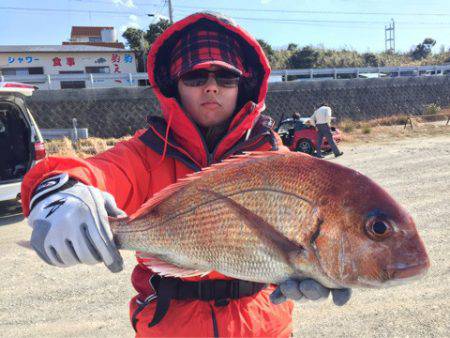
(21, 59)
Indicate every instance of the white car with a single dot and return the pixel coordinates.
(21, 143)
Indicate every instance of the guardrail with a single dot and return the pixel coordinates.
(410, 118)
(92, 80)
(73, 133)
(131, 79)
(357, 72)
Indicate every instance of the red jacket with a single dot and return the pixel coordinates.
(134, 170)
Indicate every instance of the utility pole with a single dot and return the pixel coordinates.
(143, 51)
(170, 11)
(389, 37)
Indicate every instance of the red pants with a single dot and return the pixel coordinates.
(253, 316)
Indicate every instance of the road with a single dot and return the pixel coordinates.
(87, 301)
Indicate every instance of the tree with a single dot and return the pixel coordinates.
(292, 47)
(268, 50)
(303, 58)
(135, 39)
(370, 59)
(423, 49)
(140, 41)
(429, 42)
(156, 29)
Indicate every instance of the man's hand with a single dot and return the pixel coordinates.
(70, 224)
(308, 289)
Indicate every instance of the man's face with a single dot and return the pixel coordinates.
(209, 105)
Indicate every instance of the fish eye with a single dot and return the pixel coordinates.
(378, 229)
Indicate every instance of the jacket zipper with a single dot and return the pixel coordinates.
(254, 141)
(209, 156)
(181, 150)
(237, 125)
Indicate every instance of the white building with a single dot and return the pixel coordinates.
(94, 36)
(50, 61)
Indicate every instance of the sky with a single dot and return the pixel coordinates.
(358, 25)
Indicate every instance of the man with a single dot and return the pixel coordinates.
(210, 78)
(322, 119)
(298, 124)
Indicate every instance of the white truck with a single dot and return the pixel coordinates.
(21, 143)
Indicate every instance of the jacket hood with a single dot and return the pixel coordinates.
(252, 91)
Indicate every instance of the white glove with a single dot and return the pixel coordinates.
(70, 224)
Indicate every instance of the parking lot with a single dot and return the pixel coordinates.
(39, 300)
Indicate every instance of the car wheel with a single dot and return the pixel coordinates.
(305, 146)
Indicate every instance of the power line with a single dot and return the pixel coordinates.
(312, 21)
(283, 11)
(274, 20)
(111, 3)
(84, 11)
(316, 11)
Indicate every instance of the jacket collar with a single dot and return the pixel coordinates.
(154, 138)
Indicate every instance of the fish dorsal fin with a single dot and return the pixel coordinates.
(160, 196)
(168, 191)
(166, 269)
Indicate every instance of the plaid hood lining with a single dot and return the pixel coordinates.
(251, 62)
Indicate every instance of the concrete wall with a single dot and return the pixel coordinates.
(116, 112)
(360, 98)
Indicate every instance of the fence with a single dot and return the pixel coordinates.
(52, 81)
(338, 73)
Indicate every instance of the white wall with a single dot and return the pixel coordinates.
(54, 63)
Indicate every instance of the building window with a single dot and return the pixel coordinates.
(23, 71)
(95, 39)
(72, 84)
(98, 70)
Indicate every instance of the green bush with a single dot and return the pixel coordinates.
(366, 130)
(295, 56)
(347, 125)
(432, 109)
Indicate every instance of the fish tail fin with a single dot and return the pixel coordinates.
(119, 226)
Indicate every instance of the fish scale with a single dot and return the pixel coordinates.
(267, 217)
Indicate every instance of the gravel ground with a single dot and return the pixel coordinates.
(84, 301)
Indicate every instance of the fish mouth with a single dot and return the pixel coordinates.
(396, 274)
(403, 272)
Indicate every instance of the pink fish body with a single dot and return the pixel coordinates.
(267, 217)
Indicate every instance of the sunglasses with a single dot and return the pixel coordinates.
(224, 78)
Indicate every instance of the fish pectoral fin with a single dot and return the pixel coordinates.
(164, 268)
(265, 231)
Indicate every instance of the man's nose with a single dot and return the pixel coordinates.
(211, 85)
